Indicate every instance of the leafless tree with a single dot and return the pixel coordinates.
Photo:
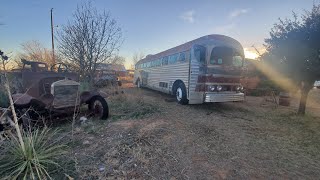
(33, 50)
(137, 56)
(117, 60)
(91, 37)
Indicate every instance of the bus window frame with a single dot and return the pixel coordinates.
(204, 54)
(173, 59)
(165, 59)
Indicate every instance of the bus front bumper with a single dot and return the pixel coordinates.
(223, 97)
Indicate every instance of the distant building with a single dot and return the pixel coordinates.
(130, 72)
(119, 69)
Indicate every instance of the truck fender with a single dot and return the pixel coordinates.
(86, 96)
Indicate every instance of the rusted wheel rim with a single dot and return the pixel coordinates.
(97, 109)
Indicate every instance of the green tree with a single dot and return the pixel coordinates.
(293, 50)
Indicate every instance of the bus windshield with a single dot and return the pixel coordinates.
(225, 56)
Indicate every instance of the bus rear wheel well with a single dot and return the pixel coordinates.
(175, 86)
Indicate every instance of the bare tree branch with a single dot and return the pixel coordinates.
(89, 38)
(33, 50)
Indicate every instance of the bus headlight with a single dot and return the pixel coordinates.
(219, 88)
(239, 88)
(212, 88)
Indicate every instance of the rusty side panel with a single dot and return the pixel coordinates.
(21, 99)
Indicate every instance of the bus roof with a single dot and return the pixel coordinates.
(188, 45)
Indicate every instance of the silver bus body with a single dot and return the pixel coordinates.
(201, 65)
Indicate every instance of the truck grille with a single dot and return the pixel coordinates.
(65, 93)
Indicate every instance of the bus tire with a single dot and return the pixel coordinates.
(181, 94)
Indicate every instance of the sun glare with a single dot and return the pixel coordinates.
(250, 54)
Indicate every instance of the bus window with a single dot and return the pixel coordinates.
(158, 62)
(173, 59)
(237, 61)
(165, 60)
(188, 55)
(200, 54)
(221, 55)
(182, 56)
(226, 56)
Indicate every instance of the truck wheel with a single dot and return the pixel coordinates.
(98, 106)
(181, 94)
(26, 119)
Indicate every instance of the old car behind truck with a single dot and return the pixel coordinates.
(39, 91)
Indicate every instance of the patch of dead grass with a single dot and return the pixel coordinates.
(128, 106)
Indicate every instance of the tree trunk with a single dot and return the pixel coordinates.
(303, 101)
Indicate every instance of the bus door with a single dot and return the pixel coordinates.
(196, 68)
(144, 78)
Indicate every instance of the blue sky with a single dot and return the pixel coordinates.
(151, 26)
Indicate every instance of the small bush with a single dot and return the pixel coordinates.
(42, 151)
(264, 88)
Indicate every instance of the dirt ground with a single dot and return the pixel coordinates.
(165, 140)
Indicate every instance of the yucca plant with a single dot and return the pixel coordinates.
(40, 154)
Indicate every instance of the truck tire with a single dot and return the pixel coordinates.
(98, 106)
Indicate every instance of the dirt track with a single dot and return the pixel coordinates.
(209, 141)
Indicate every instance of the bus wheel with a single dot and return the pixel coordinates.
(181, 94)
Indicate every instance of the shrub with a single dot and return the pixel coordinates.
(41, 154)
(264, 88)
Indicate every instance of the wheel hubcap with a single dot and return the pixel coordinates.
(179, 94)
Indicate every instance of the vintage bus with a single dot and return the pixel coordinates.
(207, 69)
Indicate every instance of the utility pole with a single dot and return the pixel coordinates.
(52, 40)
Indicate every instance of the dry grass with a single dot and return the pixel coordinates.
(129, 106)
(170, 141)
